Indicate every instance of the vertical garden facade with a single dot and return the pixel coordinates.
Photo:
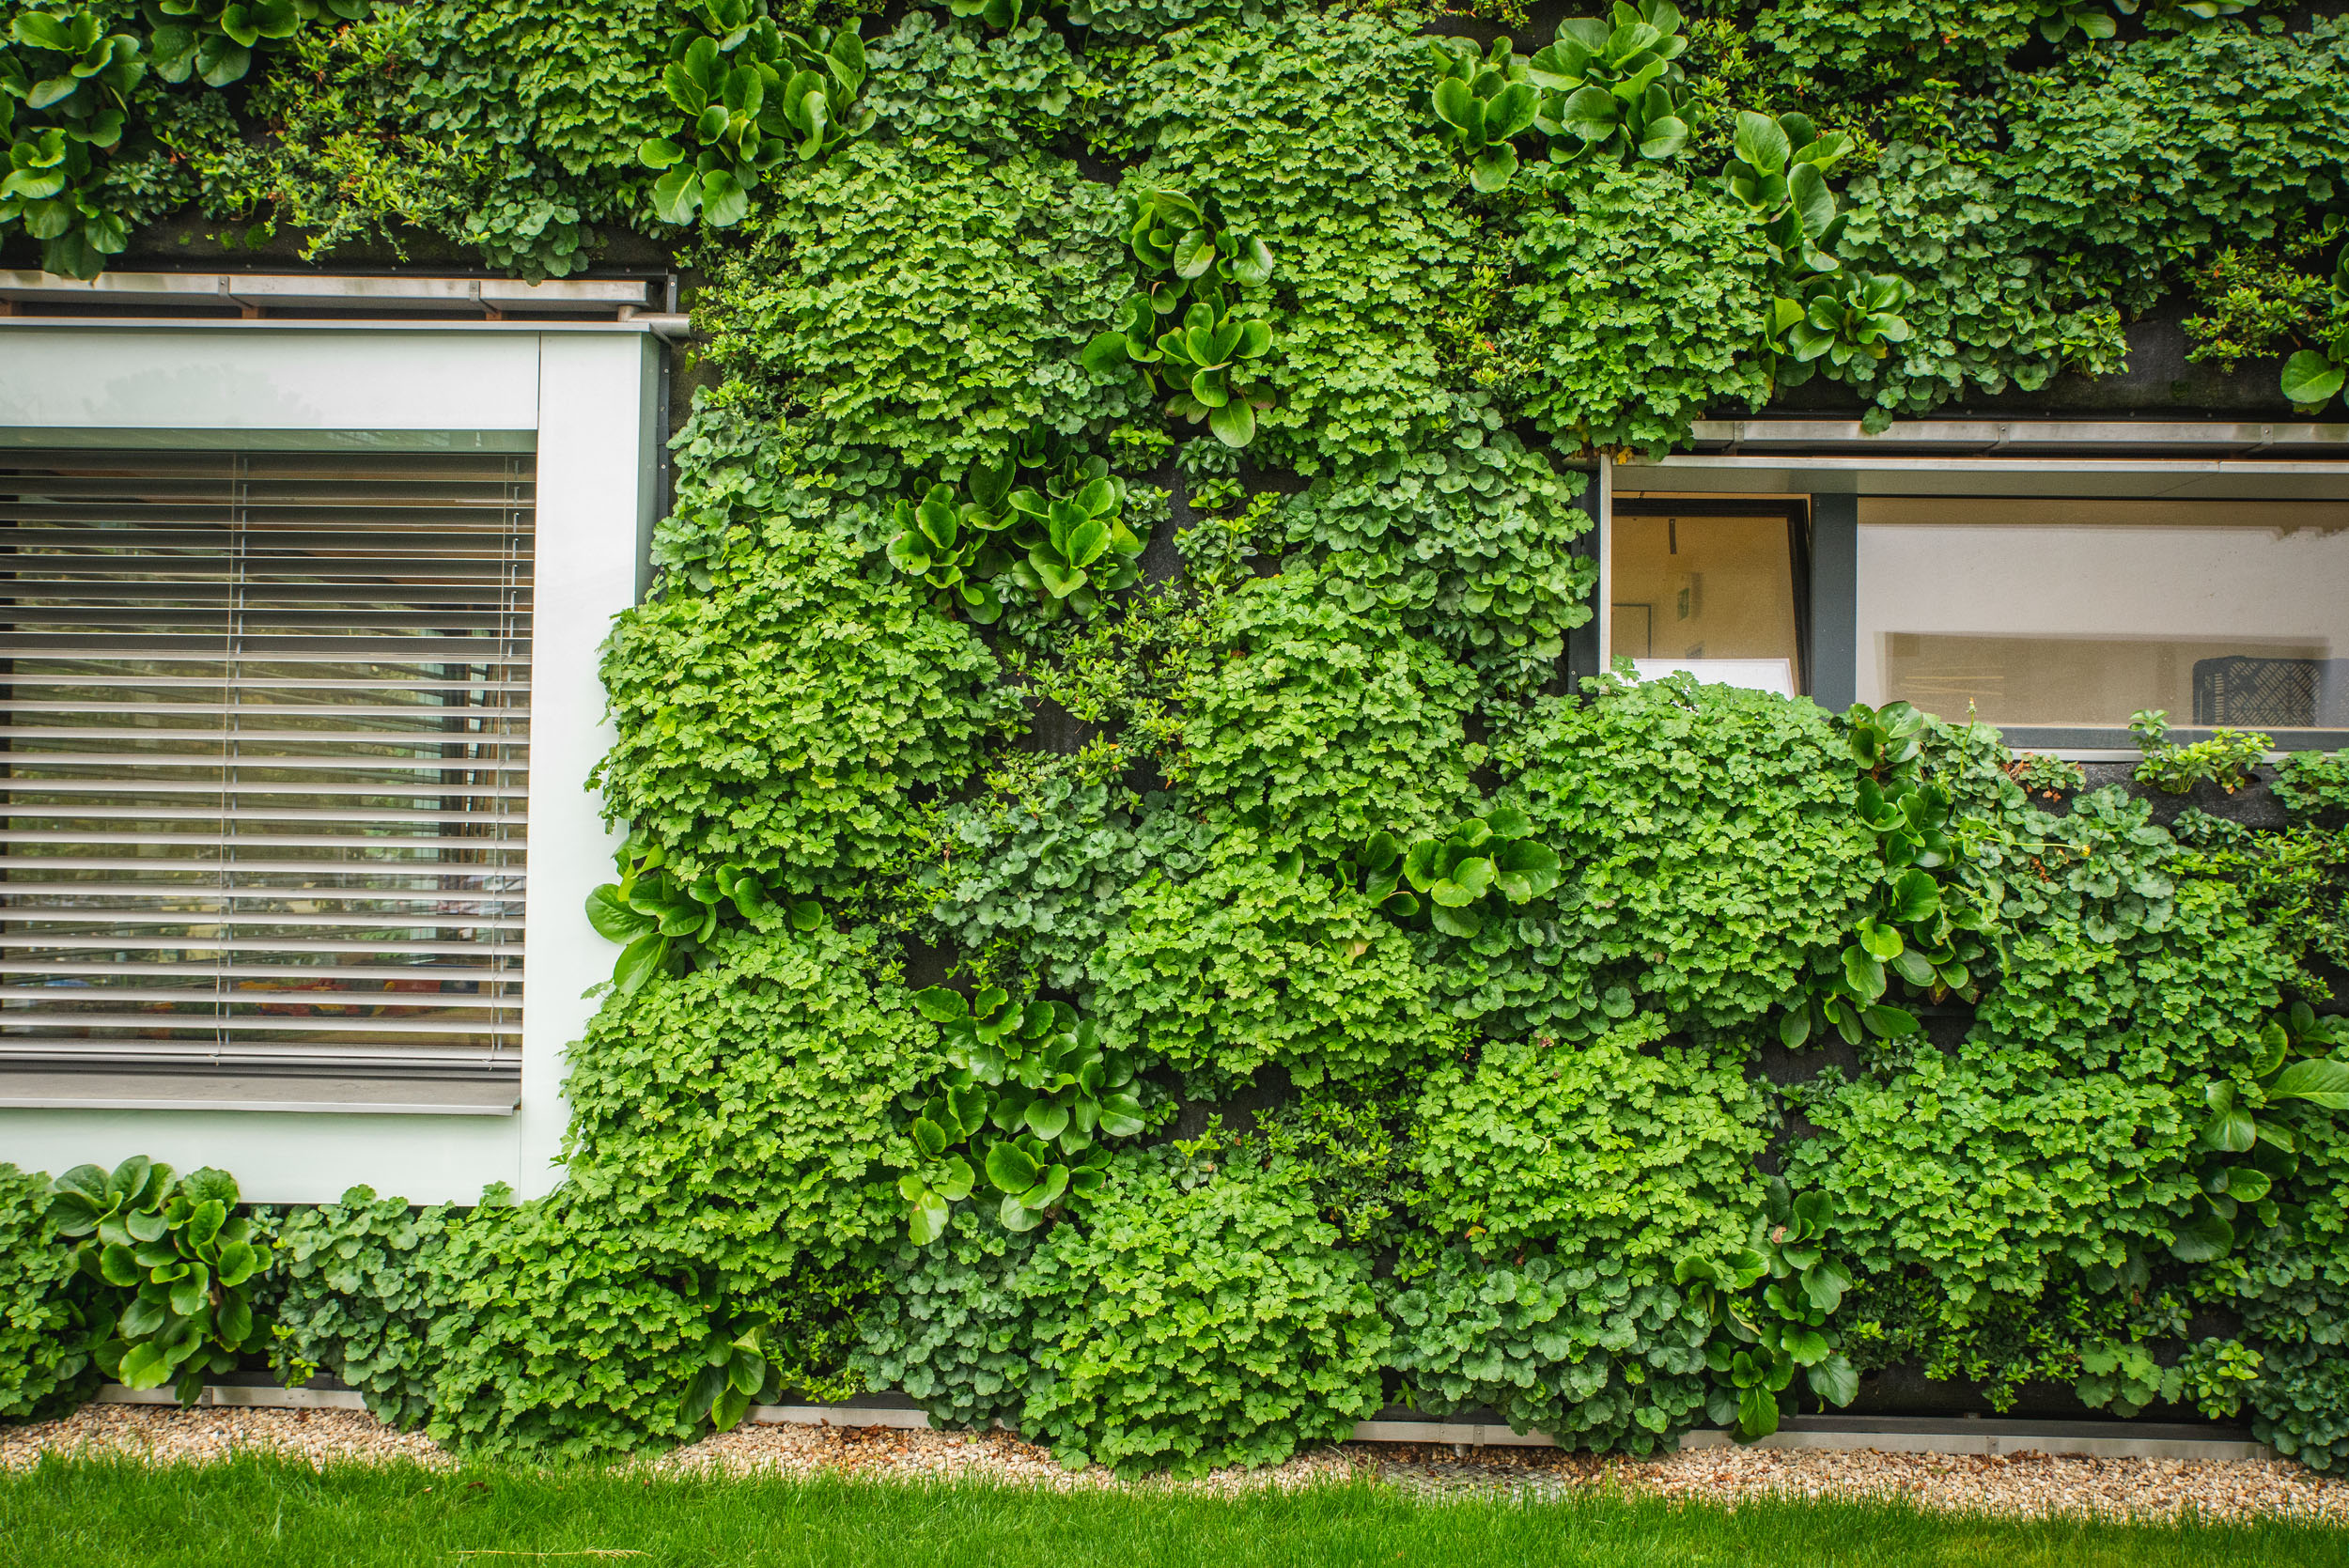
(1238, 714)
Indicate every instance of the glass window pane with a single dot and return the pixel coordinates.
(1689, 587)
(2077, 614)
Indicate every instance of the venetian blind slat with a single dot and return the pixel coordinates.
(264, 759)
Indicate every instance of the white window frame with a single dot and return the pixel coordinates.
(587, 396)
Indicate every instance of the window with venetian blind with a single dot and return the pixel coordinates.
(264, 729)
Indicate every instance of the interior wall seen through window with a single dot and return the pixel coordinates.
(2079, 613)
(1690, 587)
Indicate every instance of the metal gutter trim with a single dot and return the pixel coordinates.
(312, 1095)
(265, 290)
(1740, 436)
(1910, 462)
(1906, 1437)
(670, 328)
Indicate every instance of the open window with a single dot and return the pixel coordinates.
(1711, 586)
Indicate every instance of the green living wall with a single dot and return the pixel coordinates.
(1128, 927)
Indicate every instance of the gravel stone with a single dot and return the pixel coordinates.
(2013, 1485)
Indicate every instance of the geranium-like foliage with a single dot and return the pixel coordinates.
(1260, 958)
(1632, 1146)
(1710, 844)
(928, 299)
(1469, 540)
(1202, 1316)
(1596, 1352)
(782, 719)
(1313, 138)
(1640, 301)
(1326, 722)
(744, 1116)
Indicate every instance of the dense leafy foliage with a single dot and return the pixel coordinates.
(1202, 1318)
(44, 1353)
(1107, 671)
(785, 718)
(359, 1300)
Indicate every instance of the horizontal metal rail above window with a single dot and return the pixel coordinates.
(264, 737)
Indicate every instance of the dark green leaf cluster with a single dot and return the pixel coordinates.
(1047, 871)
(2063, 1130)
(1595, 1352)
(954, 81)
(950, 1329)
(358, 1294)
(2314, 784)
(506, 125)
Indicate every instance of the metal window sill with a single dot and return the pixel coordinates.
(481, 1095)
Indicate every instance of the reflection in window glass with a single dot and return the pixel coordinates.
(1687, 587)
(2077, 613)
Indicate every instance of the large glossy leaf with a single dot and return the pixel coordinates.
(639, 962)
(1493, 168)
(2319, 1080)
(1836, 1380)
(2205, 1239)
(1762, 141)
(1591, 113)
(2311, 380)
(1010, 1168)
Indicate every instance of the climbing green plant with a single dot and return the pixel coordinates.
(780, 722)
(68, 80)
(1631, 1146)
(1486, 856)
(1190, 340)
(1030, 1090)
(1675, 808)
(46, 1328)
(1202, 1318)
(1259, 958)
(2226, 759)
(1483, 99)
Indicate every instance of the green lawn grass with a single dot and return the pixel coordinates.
(261, 1513)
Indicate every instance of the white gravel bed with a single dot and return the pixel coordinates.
(2007, 1484)
(165, 1434)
